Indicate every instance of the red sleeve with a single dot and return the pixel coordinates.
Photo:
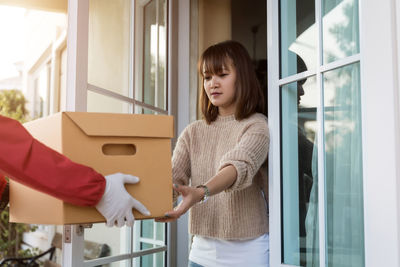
(27, 161)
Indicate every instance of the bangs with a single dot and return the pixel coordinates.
(231, 55)
(214, 62)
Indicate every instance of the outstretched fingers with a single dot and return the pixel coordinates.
(130, 179)
(110, 222)
(140, 207)
(129, 219)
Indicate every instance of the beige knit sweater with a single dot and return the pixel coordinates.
(202, 150)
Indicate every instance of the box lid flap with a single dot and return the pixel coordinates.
(110, 124)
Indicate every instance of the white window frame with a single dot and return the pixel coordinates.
(380, 99)
(139, 49)
(44, 62)
(180, 14)
(55, 88)
(381, 130)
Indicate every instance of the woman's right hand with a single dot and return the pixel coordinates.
(190, 196)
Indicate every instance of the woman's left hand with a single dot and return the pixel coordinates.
(190, 196)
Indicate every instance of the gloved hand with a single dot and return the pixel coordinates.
(116, 204)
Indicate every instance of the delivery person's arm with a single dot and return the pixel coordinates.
(27, 161)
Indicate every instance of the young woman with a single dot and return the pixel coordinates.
(218, 164)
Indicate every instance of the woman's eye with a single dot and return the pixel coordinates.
(223, 74)
(207, 78)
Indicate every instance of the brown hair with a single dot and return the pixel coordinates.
(248, 96)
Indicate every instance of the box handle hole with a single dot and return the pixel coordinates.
(119, 149)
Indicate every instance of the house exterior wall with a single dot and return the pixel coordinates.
(42, 30)
(11, 83)
(45, 5)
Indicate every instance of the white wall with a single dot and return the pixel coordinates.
(381, 150)
(41, 30)
(396, 10)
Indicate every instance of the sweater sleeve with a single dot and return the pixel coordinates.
(181, 161)
(29, 162)
(248, 154)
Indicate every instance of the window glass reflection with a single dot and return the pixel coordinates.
(154, 41)
(298, 36)
(103, 245)
(299, 170)
(101, 103)
(109, 45)
(162, 55)
(147, 229)
(343, 168)
(340, 29)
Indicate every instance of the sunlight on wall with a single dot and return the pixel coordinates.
(11, 45)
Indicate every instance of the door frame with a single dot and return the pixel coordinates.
(380, 98)
(76, 100)
(381, 149)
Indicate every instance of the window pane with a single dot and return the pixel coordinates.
(152, 260)
(154, 41)
(147, 260)
(160, 259)
(162, 56)
(150, 52)
(299, 102)
(160, 234)
(147, 229)
(102, 241)
(340, 29)
(100, 103)
(143, 110)
(123, 263)
(298, 37)
(343, 167)
(109, 45)
(41, 88)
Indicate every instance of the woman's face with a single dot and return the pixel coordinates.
(220, 89)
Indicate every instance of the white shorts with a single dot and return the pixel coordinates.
(210, 252)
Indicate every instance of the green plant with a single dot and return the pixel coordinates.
(12, 104)
(11, 237)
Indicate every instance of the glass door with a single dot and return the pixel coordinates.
(121, 66)
(127, 70)
(315, 117)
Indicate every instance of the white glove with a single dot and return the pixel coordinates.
(116, 204)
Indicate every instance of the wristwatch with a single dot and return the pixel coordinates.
(206, 193)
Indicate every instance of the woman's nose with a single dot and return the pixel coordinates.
(213, 82)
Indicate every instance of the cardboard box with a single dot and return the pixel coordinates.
(134, 144)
